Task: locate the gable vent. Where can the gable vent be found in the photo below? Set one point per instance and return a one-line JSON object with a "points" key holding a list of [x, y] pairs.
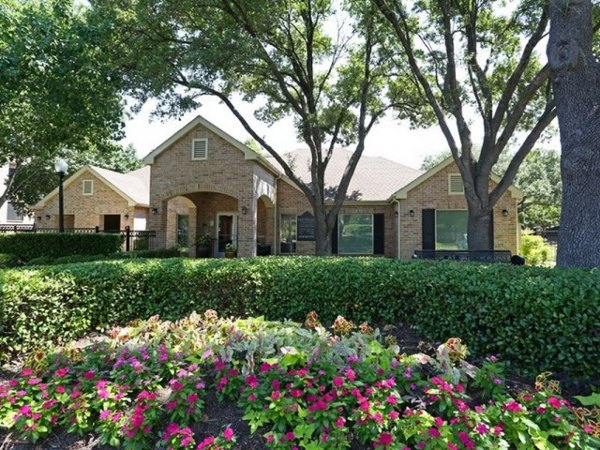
{"points": [[199, 149], [455, 184], [88, 187]]}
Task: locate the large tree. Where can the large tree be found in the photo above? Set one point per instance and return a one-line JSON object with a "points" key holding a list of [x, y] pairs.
{"points": [[321, 62], [576, 83], [476, 62], [58, 94]]}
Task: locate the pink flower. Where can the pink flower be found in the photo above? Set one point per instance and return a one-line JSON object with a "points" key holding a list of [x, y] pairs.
{"points": [[116, 417], [105, 413], [482, 428], [192, 398], [228, 434], [513, 407], [554, 402], [25, 410], [205, 443], [89, 374], [27, 372], [338, 381], [434, 433], [290, 436], [384, 439], [452, 446], [391, 399], [340, 422], [61, 372], [34, 381], [171, 405], [76, 394], [296, 393]]}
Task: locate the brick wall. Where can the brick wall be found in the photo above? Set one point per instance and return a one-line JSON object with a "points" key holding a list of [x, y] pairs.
{"points": [[225, 181], [88, 210], [433, 193]]}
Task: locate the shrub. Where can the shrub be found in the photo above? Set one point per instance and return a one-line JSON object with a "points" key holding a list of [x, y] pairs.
{"points": [[535, 250], [8, 260], [539, 319], [44, 260], [27, 246]]}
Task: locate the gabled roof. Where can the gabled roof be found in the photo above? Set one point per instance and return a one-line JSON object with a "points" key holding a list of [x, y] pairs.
{"points": [[402, 192], [375, 178], [133, 186], [199, 120]]}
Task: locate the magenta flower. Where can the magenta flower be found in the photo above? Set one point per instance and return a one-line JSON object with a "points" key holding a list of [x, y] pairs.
{"points": [[340, 422], [205, 443], [61, 372], [338, 381], [192, 398], [228, 434], [482, 428], [105, 413], [290, 436], [554, 402], [391, 399], [384, 439], [434, 433], [27, 372], [34, 381]]}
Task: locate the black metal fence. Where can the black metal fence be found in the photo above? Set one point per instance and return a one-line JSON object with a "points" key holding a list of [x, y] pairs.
{"points": [[132, 239]]}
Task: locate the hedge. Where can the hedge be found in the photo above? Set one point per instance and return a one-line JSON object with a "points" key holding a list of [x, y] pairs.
{"points": [[162, 253], [27, 246], [539, 319]]}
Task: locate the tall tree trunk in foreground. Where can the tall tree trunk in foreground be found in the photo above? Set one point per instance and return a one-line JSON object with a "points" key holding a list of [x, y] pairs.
{"points": [[575, 80]]}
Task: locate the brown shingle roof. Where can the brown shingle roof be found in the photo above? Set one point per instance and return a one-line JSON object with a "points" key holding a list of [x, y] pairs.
{"points": [[375, 178], [135, 184]]}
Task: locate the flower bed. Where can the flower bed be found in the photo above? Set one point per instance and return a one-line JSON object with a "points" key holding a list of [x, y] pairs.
{"points": [[299, 388]]}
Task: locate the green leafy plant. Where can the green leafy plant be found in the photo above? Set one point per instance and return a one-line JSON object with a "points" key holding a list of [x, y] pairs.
{"points": [[535, 251], [205, 240]]}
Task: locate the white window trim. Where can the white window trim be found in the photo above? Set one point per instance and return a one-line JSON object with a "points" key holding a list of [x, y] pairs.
{"points": [[21, 220], [294, 241], [206, 146], [436, 220], [372, 252], [83, 187], [450, 192]]}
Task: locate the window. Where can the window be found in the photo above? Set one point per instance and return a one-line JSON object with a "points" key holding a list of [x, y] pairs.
{"points": [[183, 228], [199, 149], [288, 229], [455, 184], [355, 234], [12, 215], [88, 187], [451, 230]]}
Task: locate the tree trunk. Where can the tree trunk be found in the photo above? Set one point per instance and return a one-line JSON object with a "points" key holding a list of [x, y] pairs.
{"points": [[478, 226], [322, 233], [575, 81]]}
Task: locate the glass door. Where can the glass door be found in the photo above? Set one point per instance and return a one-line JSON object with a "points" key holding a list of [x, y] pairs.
{"points": [[226, 232]]}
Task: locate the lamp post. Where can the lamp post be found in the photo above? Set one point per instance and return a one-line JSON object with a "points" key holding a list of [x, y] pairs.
{"points": [[61, 167]]}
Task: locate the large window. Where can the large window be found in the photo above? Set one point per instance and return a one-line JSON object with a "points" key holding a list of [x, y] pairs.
{"points": [[288, 233], [12, 215], [355, 234], [451, 230]]}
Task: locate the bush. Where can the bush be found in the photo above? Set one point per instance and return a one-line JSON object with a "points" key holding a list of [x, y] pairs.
{"points": [[27, 246], [539, 319], [8, 260], [535, 250], [44, 260]]}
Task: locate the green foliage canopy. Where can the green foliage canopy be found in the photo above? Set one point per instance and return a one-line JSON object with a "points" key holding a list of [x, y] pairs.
{"points": [[57, 92]]}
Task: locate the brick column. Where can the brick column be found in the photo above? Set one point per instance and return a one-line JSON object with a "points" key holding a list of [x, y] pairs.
{"points": [[247, 227]]}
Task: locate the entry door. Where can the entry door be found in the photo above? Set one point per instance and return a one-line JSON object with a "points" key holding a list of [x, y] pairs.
{"points": [[226, 231]]}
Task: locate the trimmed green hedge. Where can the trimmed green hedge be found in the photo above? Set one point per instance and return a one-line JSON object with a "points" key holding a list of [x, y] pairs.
{"points": [[540, 319], [27, 246], [45, 260]]}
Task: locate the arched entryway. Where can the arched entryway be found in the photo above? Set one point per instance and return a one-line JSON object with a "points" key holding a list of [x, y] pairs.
{"points": [[265, 226]]}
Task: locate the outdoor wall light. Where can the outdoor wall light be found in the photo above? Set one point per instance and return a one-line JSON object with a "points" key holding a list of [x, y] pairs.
{"points": [[411, 213], [244, 210], [396, 213], [47, 216], [39, 217], [126, 215], [505, 212], [154, 211]]}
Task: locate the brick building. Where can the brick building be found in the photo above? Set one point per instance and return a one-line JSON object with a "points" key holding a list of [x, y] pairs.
{"points": [[96, 197], [201, 181], [204, 182]]}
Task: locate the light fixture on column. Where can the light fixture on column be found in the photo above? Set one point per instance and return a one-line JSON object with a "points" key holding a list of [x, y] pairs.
{"points": [[505, 212], [244, 210], [411, 213]]}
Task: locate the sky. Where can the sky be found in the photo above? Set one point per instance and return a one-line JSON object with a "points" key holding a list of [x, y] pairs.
{"points": [[390, 138]]}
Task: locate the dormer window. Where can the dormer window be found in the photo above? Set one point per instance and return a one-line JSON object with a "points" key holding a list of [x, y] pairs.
{"points": [[199, 149]]}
